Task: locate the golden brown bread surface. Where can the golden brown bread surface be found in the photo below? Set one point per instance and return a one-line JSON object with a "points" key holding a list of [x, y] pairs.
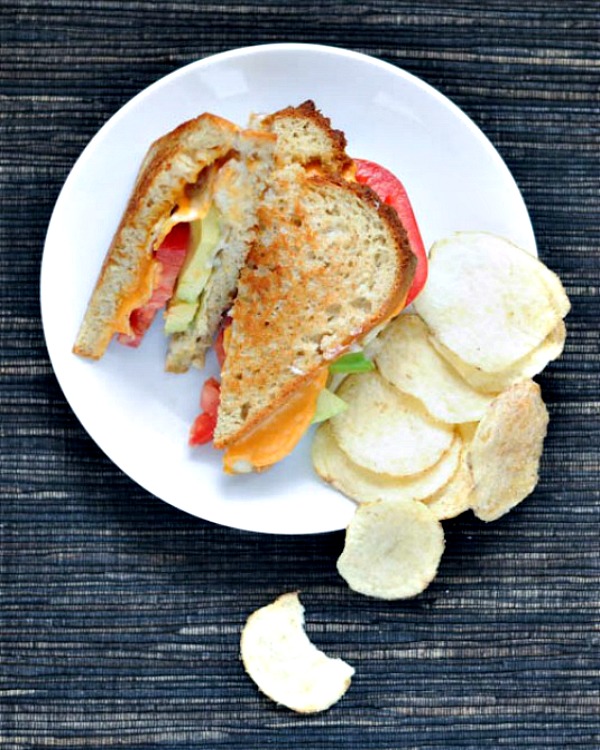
{"points": [[305, 136], [127, 275], [331, 262]]}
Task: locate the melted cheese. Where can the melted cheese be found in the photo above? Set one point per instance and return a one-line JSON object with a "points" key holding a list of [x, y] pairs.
{"points": [[275, 437], [138, 297], [192, 205]]}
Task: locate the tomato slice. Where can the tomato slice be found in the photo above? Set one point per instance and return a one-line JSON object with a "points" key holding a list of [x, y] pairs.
{"points": [[171, 256], [391, 191], [204, 425], [210, 396], [220, 340], [177, 239], [203, 429]]}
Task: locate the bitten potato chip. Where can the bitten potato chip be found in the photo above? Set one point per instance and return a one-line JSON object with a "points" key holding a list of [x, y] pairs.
{"points": [[392, 550], [387, 431], [284, 663], [362, 485], [505, 452], [408, 361], [531, 364], [489, 301], [454, 497]]}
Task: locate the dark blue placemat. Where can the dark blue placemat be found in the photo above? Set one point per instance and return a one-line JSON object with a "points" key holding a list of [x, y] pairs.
{"points": [[120, 615]]}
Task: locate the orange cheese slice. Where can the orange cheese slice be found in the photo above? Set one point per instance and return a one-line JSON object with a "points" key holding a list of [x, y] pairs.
{"points": [[193, 204], [276, 437], [138, 297]]}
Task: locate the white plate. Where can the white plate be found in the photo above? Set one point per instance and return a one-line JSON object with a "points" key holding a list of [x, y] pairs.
{"points": [[138, 414]]}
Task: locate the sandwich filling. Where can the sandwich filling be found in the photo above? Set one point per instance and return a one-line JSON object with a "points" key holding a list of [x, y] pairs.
{"points": [[170, 245], [182, 260]]}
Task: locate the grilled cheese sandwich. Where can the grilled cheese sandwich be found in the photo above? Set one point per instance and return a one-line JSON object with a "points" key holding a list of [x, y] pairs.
{"points": [[330, 263]]}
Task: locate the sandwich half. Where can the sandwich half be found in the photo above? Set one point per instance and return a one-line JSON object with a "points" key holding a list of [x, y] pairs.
{"points": [[330, 262], [182, 240]]}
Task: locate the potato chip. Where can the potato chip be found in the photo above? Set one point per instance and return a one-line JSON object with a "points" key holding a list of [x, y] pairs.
{"points": [[454, 497], [362, 485], [392, 550], [387, 431], [506, 449], [284, 663], [467, 431], [489, 301], [408, 361], [556, 290], [523, 369]]}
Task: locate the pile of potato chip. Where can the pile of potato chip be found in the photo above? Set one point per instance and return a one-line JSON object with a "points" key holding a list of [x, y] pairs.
{"points": [[450, 419]]}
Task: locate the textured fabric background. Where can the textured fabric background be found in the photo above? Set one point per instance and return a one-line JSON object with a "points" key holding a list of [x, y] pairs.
{"points": [[120, 615]]}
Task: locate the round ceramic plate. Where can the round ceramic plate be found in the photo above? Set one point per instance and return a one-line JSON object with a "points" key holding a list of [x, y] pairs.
{"points": [[138, 414]]}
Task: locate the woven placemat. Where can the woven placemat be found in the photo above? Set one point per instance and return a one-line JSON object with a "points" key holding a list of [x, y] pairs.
{"points": [[120, 615]]}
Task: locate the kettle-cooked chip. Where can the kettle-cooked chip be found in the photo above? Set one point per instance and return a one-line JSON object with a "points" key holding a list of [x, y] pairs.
{"points": [[284, 663], [489, 301], [454, 497], [392, 550], [505, 452], [387, 431], [408, 360], [526, 367], [362, 485]]}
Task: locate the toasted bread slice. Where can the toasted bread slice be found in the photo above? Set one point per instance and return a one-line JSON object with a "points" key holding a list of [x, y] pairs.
{"points": [[331, 262], [172, 164], [305, 137]]}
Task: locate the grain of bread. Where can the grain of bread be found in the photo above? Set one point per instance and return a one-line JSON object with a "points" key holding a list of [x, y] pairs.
{"points": [[126, 279], [330, 263], [305, 137]]}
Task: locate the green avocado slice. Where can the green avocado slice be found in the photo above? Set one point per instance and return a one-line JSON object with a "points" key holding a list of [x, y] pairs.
{"points": [[328, 405], [195, 272]]}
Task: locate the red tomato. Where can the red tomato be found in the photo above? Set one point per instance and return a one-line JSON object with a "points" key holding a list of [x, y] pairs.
{"points": [[211, 396], [178, 238], [391, 191], [171, 256], [203, 428]]}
